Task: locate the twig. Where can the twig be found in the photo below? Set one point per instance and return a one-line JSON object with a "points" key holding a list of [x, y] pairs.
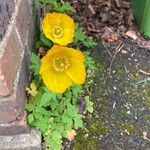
{"points": [[117, 3], [116, 145], [118, 49], [129, 75], [144, 81], [144, 72], [125, 68], [88, 91], [145, 136], [62, 1], [107, 50]]}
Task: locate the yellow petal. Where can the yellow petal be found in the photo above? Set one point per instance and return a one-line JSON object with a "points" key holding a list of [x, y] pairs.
{"points": [[68, 22], [70, 52], [55, 81], [65, 39], [48, 24], [76, 71], [65, 22], [59, 80]]}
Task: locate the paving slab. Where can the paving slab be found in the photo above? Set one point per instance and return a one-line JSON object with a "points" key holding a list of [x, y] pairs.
{"points": [[30, 141], [121, 93]]}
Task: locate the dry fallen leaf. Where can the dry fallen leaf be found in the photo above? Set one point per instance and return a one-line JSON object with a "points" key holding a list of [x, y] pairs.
{"points": [[32, 90], [144, 135], [114, 14], [71, 134], [91, 9], [131, 34], [109, 35]]}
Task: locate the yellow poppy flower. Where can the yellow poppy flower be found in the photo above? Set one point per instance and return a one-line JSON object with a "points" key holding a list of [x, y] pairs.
{"points": [[59, 28], [61, 67]]}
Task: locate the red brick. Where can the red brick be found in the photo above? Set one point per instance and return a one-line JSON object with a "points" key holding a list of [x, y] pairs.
{"points": [[9, 64], [15, 128], [12, 114], [14, 72], [7, 8], [3, 85], [23, 19]]}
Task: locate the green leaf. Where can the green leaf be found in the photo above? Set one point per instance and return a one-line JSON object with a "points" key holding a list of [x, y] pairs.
{"points": [[67, 101], [69, 124], [66, 7], [81, 38], [46, 98], [29, 107], [65, 119], [89, 61], [76, 90], [55, 113], [42, 111], [89, 104], [55, 5], [61, 106], [42, 125], [55, 105], [141, 9], [78, 122], [71, 111], [50, 98], [68, 95], [46, 41], [59, 128], [56, 135], [30, 118], [35, 64], [79, 34], [39, 44], [53, 140]]}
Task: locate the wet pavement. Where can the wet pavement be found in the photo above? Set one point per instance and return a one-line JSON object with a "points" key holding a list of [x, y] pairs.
{"points": [[121, 94]]}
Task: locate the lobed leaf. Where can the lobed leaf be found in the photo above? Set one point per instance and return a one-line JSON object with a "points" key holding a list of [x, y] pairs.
{"points": [[35, 64]]}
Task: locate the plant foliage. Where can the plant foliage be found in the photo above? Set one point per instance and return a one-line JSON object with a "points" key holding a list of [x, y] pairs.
{"points": [[43, 41], [89, 61], [55, 114], [55, 5], [81, 38], [52, 113], [35, 64]]}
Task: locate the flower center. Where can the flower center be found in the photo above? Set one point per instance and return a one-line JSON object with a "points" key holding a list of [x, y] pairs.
{"points": [[57, 31], [60, 63]]}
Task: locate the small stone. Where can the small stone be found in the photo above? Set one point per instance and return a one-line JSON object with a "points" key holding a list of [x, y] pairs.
{"points": [[114, 105], [86, 135], [115, 88], [113, 71], [127, 92], [127, 132], [128, 112]]}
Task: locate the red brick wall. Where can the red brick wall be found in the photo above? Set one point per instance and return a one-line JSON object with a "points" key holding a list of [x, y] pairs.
{"points": [[17, 38]]}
